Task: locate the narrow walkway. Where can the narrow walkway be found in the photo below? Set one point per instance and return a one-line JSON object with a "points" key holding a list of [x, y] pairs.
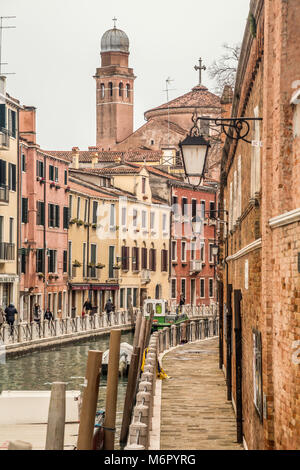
{"points": [[195, 413]]}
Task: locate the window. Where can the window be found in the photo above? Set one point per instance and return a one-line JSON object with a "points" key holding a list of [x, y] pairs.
{"points": [[143, 185], [2, 172], [12, 122], [124, 216], [204, 127], [24, 210], [152, 142], [51, 172], [184, 206], [110, 86], [144, 258], [183, 251], [111, 261], [52, 261], [135, 259], [40, 169], [40, 213], [59, 301], [128, 90], [144, 219], [175, 205], [152, 259], [134, 300], [194, 207], [23, 163], [173, 288], [78, 208], [23, 263], [66, 217], [212, 210], [65, 261], [134, 219], [11, 230], [257, 372], [56, 174], [129, 299], [152, 220], [174, 250], [211, 288], [66, 177], [93, 259], [12, 177], [193, 251], [164, 260], [202, 211], [121, 90], [86, 210], [53, 215], [164, 222], [202, 252], [183, 287], [3, 115], [202, 288], [70, 258], [112, 215], [95, 209], [102, 87], [211, 257], [84, 259], [70, 206], [125, 258], [39, 260], [122, 298]]}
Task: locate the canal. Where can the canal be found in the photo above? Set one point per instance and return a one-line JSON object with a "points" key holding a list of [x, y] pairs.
{"points": [[36, 371]]}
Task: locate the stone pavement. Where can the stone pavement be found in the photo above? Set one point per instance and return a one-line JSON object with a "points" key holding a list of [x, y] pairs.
{"points": [[195, 413]]}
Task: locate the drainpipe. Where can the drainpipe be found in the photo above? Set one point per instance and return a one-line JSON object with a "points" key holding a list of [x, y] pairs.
{"points": [[19, 236], [44, 252], [88, 243]]}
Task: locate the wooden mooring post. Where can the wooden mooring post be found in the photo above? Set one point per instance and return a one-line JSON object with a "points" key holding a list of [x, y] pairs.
{"points": [[112, 390], [56, 417], [130, 394], [89, 401]]}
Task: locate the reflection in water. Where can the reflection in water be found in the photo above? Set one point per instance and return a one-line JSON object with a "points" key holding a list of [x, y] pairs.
{"points": [[36, 371]]}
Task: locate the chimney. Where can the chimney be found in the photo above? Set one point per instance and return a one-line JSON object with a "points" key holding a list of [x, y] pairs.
{"points": [[94, 159], [75, 158], [27, 124]]}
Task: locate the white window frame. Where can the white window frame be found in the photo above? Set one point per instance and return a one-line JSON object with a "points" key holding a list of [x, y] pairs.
{"points": [[78, 207], [112, 216], [144, 219], [181, 292], [210, 255], [175, 281], [183, 259], [202, 243], [211, 279], [176, 247], [202, 279]]}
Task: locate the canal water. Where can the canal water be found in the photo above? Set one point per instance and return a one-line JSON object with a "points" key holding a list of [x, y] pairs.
{"points": [[37, 370]]}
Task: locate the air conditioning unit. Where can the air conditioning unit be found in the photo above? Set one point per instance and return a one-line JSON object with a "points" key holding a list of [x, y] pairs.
{"points": [[196, 266]]}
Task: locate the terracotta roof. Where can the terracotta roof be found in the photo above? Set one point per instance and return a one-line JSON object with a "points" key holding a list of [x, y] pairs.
{"points": [[86, 156], [199, 96], [111, 170]]}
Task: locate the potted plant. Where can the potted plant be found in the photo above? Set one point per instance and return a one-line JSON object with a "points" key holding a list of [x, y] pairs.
{"points": [[116, 266], [52, 184], [56, 276], [79, 223], [57, 186], [42, 180], [51, 276], [41, 275], [38, 178], [76, 264], [67, 188], [100, 266], [94, 226]]}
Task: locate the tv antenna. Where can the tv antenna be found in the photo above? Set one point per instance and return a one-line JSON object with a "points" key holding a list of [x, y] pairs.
{"points": [[168, 81], [1, 30]]}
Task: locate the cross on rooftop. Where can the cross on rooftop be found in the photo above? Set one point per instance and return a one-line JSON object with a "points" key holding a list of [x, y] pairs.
{"points": [[200, 67], [114, 20]]}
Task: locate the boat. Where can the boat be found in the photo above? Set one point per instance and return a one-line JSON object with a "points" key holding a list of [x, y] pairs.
{"points": [[162, 317], [125, 357]]}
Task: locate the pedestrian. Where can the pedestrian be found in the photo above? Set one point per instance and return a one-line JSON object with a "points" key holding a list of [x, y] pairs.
{"points": [[181, 302], [37, 313], [2, 317], [10, 313], [48, 315], [87, 306], [109, 307]]}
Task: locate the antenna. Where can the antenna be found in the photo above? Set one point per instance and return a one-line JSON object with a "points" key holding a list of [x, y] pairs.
{"points": [[168, 81], [1, 29]]}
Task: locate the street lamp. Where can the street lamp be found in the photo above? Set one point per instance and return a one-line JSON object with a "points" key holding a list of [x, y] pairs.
{"points": [[194, 149], [215, 250]]}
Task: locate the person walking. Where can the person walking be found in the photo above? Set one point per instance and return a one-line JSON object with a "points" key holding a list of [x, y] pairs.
{"points": [[48, 315], [2, 317], [109, 307], [37, 313], [87, 306], [10, 313], [181, 303]]}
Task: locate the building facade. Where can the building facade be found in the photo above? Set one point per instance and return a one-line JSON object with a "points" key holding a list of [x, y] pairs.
{"points": [[259, 304]]}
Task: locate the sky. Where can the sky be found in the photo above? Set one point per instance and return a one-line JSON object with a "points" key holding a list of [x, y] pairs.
{"points": [[55, 49]]}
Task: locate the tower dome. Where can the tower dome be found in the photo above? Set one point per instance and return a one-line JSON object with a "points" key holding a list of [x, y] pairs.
{"points": [[114, 40]]}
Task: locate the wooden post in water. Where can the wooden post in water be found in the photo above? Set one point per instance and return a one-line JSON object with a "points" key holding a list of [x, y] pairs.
{"points": [[148, 334], [56, 417], [141, 342], [89, 401], [137, 329], [130, 394], [112, 390]]}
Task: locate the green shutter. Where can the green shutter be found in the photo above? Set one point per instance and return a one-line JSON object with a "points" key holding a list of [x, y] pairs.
{"points": [[3, 115]]}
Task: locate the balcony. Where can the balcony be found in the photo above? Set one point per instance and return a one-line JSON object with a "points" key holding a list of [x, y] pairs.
{"points": [[7, 252], [4, 195], [145, 276], [4, 139], [196, 266]]}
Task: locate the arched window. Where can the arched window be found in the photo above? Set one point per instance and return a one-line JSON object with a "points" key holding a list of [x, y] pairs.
{"points": [[127, 90], [121, 90], [110, 85], [102, 90]]}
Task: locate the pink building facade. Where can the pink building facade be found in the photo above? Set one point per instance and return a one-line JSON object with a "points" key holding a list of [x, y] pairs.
{"points": [[192, 272], [44, 225]]}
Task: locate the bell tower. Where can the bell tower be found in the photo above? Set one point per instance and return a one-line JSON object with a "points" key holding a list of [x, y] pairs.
{"points": [[114, 90]]}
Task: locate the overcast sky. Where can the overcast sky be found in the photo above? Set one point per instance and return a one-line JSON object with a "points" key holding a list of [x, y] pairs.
{"points": [[55, 50]]}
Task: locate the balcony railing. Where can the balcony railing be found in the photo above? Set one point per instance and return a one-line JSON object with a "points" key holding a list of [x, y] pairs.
{"points": [[4, 139], [4, 194], [7, 251]]}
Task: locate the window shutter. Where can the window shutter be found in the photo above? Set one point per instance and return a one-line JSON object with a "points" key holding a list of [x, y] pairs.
{"points": [[56, 173], [42, 209], [66, 215], [137, 261], [3, 115], [2, 173], [13, 123], [13, 177], [38, 213], [123, 254], [127, 258], [57, 221], [24, 210], [154, 260]]}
